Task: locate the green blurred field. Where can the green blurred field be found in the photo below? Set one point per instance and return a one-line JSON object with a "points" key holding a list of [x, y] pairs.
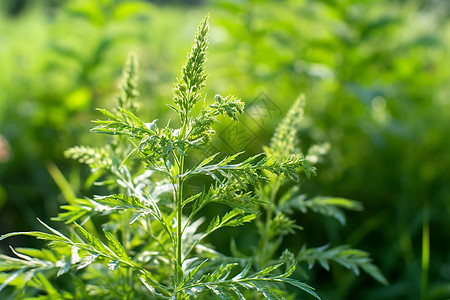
{"points": [[376, 76]]}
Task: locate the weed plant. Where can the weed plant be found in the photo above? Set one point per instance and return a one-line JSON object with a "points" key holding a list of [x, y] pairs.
{"points": [[147, 237]]}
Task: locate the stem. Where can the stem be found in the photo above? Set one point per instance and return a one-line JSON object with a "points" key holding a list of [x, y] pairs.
{"points": [[425, 251], [269, 215], [179, 208], [179, 215]]}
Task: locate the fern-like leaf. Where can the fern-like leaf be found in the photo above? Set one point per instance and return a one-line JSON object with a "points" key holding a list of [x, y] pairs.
{"points": [[263, 281], [352, 259], [328, 206]]}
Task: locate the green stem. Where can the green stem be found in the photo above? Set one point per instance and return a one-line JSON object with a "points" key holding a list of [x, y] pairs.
{"points": [[425, 252], [179, 216], [179, 225], [269, 215]]}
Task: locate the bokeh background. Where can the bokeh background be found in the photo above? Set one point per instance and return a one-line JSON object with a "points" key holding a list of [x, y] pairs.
{"points": [[375, 73]]}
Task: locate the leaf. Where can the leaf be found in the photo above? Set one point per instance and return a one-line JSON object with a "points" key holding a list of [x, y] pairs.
{"points": [[117, 247], [353, 259], [80, 208], [147, 277], [207, 160], [87, 260], [302, 286], [55, 238], [192, 198], [221, 272], [328, 206], [267, 270], [11, 278], [244, 272], [42, 254], [224, 294], [142, 205], [127, 124], [109, 114], [239, 220], [134, 120], [232, 218], [36, 234], [220, 281], [116, 254], [193, 272], [266, 291], [173, 108], [91, 240]]}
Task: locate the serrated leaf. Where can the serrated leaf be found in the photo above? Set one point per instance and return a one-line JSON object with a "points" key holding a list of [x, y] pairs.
{"points": [[232, 218], [38, 235], [192, 198], [153, 285], [328, 206], [222, 272], [109, 114], [260, 280], [353, 259], [267, 270], [192, 273], [116, 246], [207, 160], [266, 291], [244, 272], [93, 242], [136, 122], [138, 215], [302, 286]]}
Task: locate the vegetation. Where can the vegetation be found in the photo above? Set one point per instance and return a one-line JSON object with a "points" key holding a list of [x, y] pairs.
{"points": [[376, 79], [152, 228]]}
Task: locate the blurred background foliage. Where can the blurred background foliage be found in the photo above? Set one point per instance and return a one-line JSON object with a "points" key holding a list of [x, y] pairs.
{"points": [[376, 75]]}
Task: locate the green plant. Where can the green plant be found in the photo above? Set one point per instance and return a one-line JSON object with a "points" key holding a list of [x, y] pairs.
{"points": [[66, 74], [278, 204], [373, 70], [153, 238]]}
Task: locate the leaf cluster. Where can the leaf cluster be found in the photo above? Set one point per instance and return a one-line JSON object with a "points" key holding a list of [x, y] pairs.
{"points": [[147, 234], [280, 202]]}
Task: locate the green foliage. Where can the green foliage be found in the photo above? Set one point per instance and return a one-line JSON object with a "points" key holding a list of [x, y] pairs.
{"points": [[278, 204], [353, 259], [151, 237], [58, 62], [376, 76], [153, 241]]}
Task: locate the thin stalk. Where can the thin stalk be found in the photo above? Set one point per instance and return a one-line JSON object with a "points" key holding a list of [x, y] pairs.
{"points": [[425, 252], [179, 216], [269, 215]]}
